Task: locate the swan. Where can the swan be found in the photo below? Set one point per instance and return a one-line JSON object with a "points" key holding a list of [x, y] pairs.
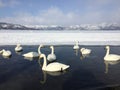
{"points": [[53, 67], [6, 53], [33, 54], [111, 57], [51, 56], [76, 46], [18, 48], [85, 51]]}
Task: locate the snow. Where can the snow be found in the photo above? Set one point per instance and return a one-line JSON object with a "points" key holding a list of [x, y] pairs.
{"points": [[12, 37]]}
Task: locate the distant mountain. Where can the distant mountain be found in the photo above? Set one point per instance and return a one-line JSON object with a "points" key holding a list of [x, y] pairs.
{"points": [[11, 26], [103, 26]]}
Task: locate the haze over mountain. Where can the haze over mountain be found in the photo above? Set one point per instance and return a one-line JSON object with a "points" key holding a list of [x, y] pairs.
{"points": [[102, 26]]}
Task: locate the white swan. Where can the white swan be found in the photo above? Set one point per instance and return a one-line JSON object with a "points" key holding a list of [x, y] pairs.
{"points": [[52, 56], [76, 46], [53, 67], [6, 53], [18, 48], [85, 51], [111, 57], [33, 54]]}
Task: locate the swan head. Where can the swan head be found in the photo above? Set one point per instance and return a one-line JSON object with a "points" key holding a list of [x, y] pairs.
{"points": [[51, 47], [77, 42], [107, 47], [41, 45], [3, 50], [82, 49], [42, 55], [18, 45]]}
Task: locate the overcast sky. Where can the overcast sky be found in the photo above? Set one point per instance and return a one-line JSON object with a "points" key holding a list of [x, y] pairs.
{"points": [[60, 12]]}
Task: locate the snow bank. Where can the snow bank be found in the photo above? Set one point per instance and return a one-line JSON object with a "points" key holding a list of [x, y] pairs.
{"points": [[57, 37]]}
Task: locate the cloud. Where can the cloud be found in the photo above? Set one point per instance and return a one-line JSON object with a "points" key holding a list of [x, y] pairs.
{"points": [[51, 16], [8, 3], [55, 16]]}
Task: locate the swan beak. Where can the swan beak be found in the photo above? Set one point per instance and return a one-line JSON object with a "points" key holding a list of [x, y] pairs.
{"points": [[41, 45], [40, 56]]}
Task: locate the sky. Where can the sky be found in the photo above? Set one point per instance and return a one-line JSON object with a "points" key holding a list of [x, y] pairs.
{"points": [[59, 12]]}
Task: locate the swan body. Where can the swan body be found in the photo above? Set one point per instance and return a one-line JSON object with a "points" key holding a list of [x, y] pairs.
{"points": [[85, 51], [111, 57], [18, 48], [52, 56], [76, 46], [33, 54], [6, 53], [53, 67]]}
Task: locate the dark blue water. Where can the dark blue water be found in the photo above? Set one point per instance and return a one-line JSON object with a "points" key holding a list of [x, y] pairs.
{"points": [[85, 73]]}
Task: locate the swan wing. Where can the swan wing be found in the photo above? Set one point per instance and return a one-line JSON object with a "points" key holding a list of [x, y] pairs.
{"points": [[112, 57], [86, 51], [18, 48], [6, 53], [52, 67]]}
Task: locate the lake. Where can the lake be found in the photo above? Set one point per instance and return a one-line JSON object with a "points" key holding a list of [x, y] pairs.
{"points": [[85, 73]]}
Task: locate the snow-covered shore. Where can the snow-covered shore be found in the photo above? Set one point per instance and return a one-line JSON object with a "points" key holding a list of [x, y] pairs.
{"points": [[60, 38]]}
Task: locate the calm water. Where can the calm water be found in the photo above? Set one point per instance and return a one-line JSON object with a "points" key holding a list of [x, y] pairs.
{"points": [[85, 73]]}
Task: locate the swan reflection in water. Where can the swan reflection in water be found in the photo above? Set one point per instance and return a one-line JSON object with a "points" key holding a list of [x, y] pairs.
{"points": [[6, 57], [107, 63], [30, 58], [83, 56], [18, 53], [76, 51], [43, 81]]}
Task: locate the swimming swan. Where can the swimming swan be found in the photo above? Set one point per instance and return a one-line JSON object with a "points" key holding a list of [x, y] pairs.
{"points": [[6, 53], [53, 67], [76, 46], [33, 54], [52, 56], [111, 57], [18, 48], [85, 51]]}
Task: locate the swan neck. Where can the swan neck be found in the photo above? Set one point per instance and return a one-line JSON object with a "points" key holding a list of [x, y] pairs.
{"points": [[52, 50], [45, 63], [107, 52], [76, 43], [39, 49]]}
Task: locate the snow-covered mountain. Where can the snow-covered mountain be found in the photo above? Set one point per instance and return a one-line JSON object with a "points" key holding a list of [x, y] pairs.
{"points": [[103, 26], [11, 26]]}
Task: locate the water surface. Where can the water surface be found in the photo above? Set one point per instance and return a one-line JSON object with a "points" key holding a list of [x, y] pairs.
{"points": [[85, 73]]}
